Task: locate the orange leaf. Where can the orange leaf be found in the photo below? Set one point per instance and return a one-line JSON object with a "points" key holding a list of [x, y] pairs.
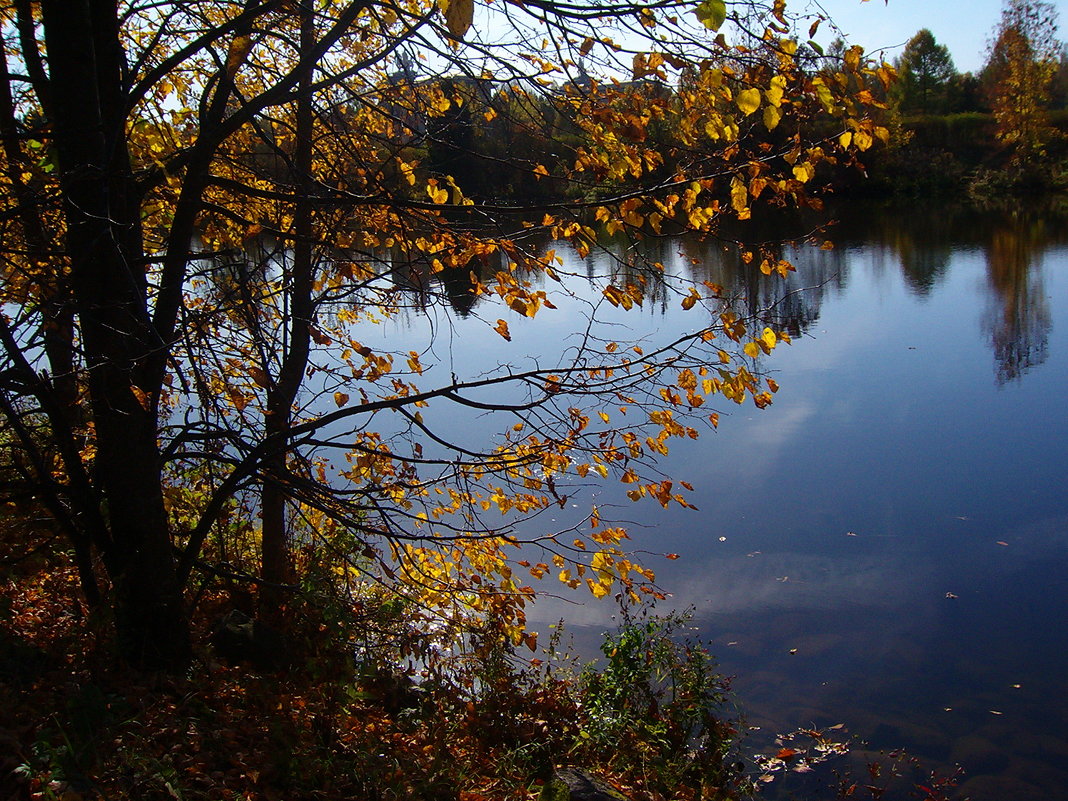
{"points": [[142, 397], [259, 377], [237, 398]]}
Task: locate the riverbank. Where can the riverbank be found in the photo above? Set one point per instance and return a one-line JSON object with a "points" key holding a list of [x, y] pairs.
{"points": [[958, 156]]}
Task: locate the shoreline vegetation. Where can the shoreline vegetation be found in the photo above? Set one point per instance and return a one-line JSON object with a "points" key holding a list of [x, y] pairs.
{"points": [[959, 156], [370, 706]]}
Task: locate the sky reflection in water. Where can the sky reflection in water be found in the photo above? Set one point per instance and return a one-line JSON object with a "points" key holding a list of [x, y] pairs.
{"points": [[898, 515]]}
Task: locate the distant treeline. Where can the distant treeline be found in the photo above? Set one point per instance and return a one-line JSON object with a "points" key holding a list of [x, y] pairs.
{"points": [[1002, 131], [939, 155]]}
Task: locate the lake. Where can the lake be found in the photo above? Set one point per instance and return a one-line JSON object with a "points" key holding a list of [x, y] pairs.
{"points": [[886, 545]]}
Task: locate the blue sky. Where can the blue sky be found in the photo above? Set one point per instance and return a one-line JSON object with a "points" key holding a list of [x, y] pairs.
{"points": [[964, 26]]}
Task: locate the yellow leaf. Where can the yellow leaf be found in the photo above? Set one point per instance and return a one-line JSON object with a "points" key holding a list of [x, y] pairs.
{"points": [[824, 95], [845, 138], [502, 329], [769, 337], [751, 349], [772, 115], [239, 49], [712, 13], [437, 194], [748, 101], [142, 397], [774, 93], [598, 589], [862, 139], [739, 194], [804, 171], [603, 416], [458, 15], [340, 398], [852, 57]]}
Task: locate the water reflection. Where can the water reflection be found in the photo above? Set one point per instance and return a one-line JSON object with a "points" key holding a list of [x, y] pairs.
{"points": [[1013, 243], [875, 548], [919, 245], [1018, 317]]}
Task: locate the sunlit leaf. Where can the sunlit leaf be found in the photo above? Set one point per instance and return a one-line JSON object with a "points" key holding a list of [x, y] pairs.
{"points": [[459, 14], [142, 397], [804, 171], [748, 101], [712, 13], [772, 115]]}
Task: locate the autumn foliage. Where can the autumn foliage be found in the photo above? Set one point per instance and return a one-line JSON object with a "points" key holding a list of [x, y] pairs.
{"points": [[183, 391], [203, 202]]}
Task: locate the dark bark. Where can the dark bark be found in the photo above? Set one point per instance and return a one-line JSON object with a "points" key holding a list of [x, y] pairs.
{"points": [[276, 568], [108, 286]]}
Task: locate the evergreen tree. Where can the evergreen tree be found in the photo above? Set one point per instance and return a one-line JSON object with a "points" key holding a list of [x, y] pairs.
{"points": [[925, 72]]}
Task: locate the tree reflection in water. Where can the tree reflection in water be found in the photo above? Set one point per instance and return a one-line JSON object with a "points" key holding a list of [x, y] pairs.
{"points": [[1018, 318]]}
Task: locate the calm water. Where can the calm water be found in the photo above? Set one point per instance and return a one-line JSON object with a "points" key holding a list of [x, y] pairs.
{"points": [[899, 515]]}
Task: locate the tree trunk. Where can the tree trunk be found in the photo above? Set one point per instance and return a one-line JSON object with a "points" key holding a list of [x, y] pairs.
{"points": [[103, 241], [275, 546]]}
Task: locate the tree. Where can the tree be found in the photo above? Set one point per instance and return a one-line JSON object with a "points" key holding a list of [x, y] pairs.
{"points": [[1059, 92], [1018, 74], [203, 198], [925, 72]]}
